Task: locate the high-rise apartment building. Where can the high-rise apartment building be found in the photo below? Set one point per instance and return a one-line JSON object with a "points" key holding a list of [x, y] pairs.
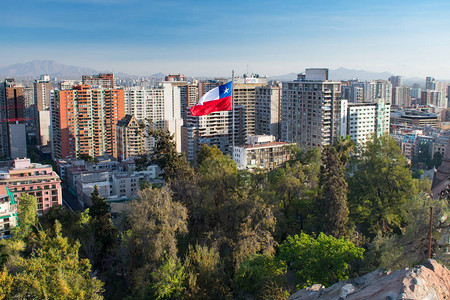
{"points": [[383, 117], [175, 77], [130, 140], [437, 86], [364, 119], [213, 129], [370, 90], [430, 97], [12, 120], [30, 104], [42, 92], [84, 121], [105, 81], [430, 83], [205, 86], [396, 81], [401, 96], [268, 110], [42, 88], [383, 91], [188, 97], [244, 91], [311, 109], [161, 104]]}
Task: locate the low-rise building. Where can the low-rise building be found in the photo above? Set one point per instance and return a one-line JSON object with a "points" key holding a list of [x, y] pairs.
{"points": [[33, 179], [262, 152], [8, 212], [114, 186]]}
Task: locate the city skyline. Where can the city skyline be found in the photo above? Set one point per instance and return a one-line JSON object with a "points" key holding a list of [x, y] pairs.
{"points": [[407, 38]]}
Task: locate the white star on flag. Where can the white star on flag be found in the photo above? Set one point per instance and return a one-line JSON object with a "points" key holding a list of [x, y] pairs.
{"points": [[226, 91]]}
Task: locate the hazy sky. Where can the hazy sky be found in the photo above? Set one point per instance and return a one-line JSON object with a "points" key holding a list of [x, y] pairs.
{"points": [[207, 38]]}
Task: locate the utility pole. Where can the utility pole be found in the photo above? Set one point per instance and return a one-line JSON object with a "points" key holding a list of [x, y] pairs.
{"points": [[430, 232]]}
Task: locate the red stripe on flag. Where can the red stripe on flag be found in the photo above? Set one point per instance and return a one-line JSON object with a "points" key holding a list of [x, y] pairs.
{"points": [[212, 106]]}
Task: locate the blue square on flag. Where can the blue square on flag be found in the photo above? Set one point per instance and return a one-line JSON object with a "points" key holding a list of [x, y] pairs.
{"points": [[226, 90]]}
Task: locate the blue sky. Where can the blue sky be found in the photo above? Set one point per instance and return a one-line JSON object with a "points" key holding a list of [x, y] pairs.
{"points": [[207, 38]]}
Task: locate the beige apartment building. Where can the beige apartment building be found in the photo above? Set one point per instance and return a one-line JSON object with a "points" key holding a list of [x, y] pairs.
{"points": [[261, 152]]}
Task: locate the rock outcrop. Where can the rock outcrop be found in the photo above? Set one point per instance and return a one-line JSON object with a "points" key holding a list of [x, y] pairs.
{"points": [[429, 281]]}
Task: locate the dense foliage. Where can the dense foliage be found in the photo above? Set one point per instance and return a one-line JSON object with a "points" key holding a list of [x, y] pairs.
{"points": [[215, 232]]}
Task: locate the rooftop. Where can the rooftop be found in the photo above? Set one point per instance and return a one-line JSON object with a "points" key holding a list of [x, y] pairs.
{"points": [[272, 144]]}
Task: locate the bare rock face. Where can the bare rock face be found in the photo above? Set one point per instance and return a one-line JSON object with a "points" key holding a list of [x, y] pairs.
{"points": [[429, 281]]}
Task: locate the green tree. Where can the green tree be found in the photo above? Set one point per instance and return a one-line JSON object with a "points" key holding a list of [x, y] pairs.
{"points": [[410, 248], [258, 275], [166, 156], [6, 283], [291, 189], [206, 278], [437, 159], [86, 157], [206, 152], [168, 280], [27, 214], [423, 158], [380, 183], [331, 203], [228, 216], [325, 259], [103, 229], [53, 271], [153, 222]]}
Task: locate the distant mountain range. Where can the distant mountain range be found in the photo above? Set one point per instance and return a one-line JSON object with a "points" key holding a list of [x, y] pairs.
{"points": [[55, 69], [37, 67]]}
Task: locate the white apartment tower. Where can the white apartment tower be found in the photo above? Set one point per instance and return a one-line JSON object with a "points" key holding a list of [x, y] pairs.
{"points": [[161, 104], [364, 119]]}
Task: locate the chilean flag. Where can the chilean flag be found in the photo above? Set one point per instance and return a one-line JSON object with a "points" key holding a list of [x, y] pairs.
{"points": [[217, 99]]}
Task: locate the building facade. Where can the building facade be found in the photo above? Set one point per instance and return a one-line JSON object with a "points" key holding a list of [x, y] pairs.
{"points": [[8, 212], [244, 94], [130, 139], [35, 180], [105, 81], [311, 109], [267, 110], [12, 120], [365, 119], [262, 152], [161, 104], [213, 129], [42, 95], [84, 121]]}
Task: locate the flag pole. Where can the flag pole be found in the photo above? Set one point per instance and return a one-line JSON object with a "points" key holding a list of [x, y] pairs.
{"points": [[232, 108]]}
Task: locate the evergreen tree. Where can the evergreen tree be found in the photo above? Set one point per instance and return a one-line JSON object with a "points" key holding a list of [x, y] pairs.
{"points": [[103, 229], [331, 204], [166, 156]]}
